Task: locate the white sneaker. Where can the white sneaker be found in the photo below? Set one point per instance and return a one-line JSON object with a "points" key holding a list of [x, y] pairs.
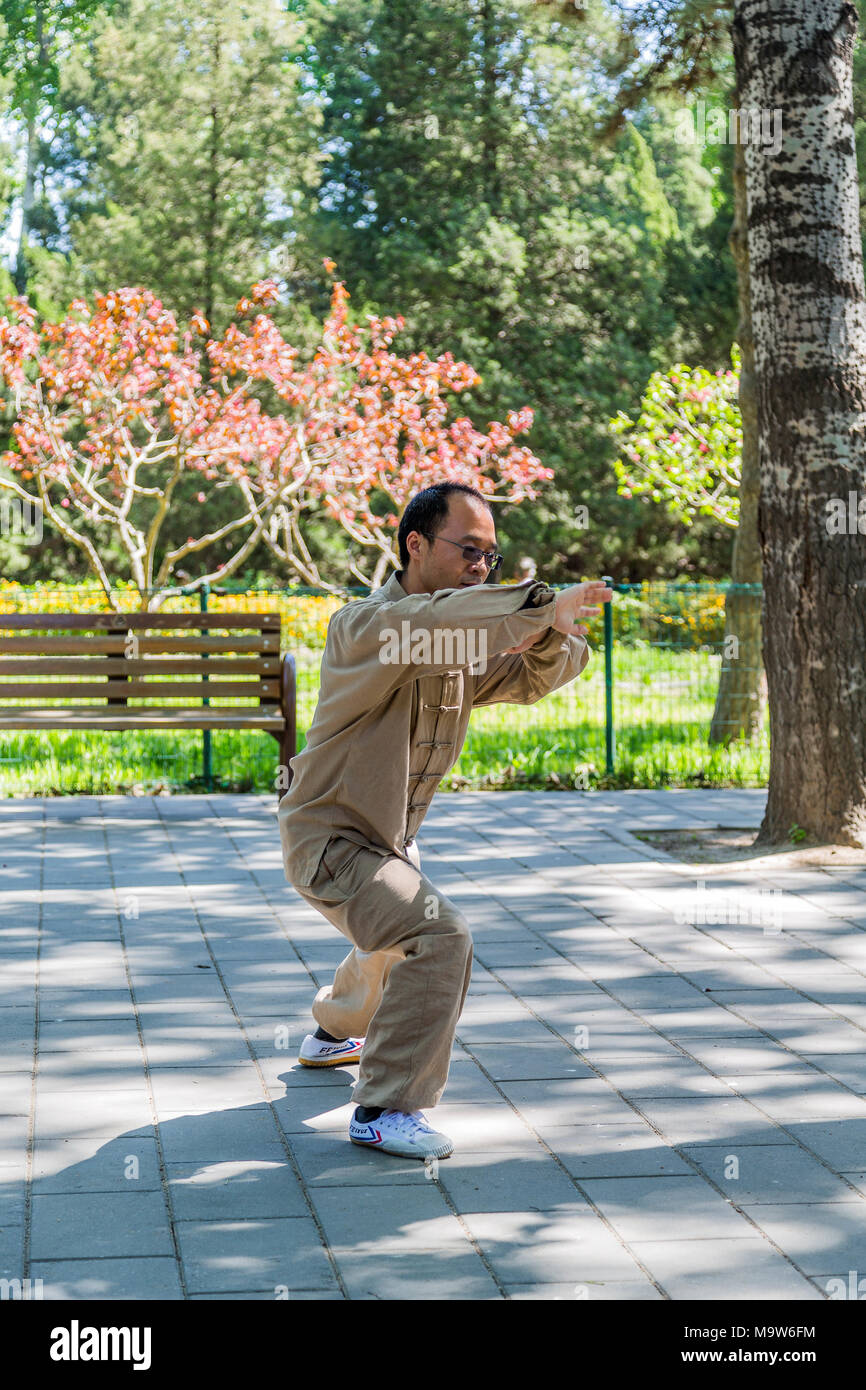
{"points": [[396, 1132], [314, 1052]]}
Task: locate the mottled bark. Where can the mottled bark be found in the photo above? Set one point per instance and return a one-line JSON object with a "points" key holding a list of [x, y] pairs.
{"points": [[212, 211], [741, 695], [492, 185], [809, 319], [27, 200]]}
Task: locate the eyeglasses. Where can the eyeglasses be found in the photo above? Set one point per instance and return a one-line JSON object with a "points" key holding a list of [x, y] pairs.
{"points": [[471, 553]]}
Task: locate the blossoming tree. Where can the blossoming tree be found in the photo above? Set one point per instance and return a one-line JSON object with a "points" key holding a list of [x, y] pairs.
{"points": [[685, 447], [115, 407]]}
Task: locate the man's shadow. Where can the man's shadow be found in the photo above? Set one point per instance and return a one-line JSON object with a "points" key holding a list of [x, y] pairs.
{"points": [[235, 1179]]}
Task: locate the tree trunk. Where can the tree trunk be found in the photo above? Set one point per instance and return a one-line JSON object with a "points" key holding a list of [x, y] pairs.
{"points": [[809, 316], [742, 684], [27, 200], [491, 182], [212, 210]]}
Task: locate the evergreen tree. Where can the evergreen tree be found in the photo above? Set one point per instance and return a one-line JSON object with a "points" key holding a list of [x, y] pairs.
{"points": [[195, 141]]}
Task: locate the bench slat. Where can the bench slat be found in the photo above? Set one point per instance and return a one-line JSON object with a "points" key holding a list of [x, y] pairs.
{"points": [[70, 646], [155, 666], [83, 622], [142, 690], [268, 717]]}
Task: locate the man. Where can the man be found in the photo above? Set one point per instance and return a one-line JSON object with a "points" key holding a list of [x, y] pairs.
{"points": [[401, 672]]}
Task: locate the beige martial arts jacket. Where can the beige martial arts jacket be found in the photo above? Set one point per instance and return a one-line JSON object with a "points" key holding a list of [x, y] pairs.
{"points": [[401, 674]]}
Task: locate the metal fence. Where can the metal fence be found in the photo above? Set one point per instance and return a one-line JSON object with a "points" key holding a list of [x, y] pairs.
{"points": [[640, 713]]}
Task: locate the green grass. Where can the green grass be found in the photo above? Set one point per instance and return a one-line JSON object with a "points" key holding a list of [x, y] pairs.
{"points": [[663, 703]]}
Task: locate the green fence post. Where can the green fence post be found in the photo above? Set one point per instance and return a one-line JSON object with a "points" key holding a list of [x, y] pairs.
{"points": [[207, 773], [609, 736]]}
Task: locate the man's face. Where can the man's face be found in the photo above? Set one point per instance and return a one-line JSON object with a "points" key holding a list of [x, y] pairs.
{"points": [[436, 564]]}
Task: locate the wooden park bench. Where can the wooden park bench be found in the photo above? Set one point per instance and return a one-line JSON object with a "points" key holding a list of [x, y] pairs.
{"points": [[111, 660]]}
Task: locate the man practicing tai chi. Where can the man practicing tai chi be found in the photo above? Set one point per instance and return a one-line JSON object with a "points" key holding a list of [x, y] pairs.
{"points": [[401, 672]]}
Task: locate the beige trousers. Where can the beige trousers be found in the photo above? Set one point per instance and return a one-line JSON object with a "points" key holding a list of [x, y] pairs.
{"points": [[403, 985]]}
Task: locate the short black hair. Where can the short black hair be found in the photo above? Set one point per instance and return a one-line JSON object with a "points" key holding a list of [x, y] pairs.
{"points": [[427, 510]]}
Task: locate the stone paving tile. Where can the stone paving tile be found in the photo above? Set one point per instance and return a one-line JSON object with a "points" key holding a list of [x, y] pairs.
{"points": [[248, 1188], [203, 1088], [67, 1005], [268, 1295], [314, 1109], [63, 1114], [628, 1149], [724, 1270], [606, 1022], [857, 1178], [86, 1165], [708, 1120], [496, 954], [731, 1057], [795, 1097], [440, 1274], [15, 1092], [117, 1036], [654, 1208], [529, 981], [551, 1104], [769, 1173], [572, 1245], [84, 1225], [221, 1136], [848, 1068], [110, 1278], [507, 1181], [483, 1125], [596, 1290], [826, 1240], [283, 1072], [497, 1027], [12, 1251], [660, 1077], [401, 1218], [841, 1143], [528, 1061], [223, 1255], [708, 1021]]}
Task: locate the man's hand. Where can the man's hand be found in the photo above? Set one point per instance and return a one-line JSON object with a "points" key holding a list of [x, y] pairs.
{"points": [[579, 602]]}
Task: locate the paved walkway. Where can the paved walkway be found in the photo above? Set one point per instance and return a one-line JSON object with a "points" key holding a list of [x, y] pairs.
{"points": [[658, 1092]]}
